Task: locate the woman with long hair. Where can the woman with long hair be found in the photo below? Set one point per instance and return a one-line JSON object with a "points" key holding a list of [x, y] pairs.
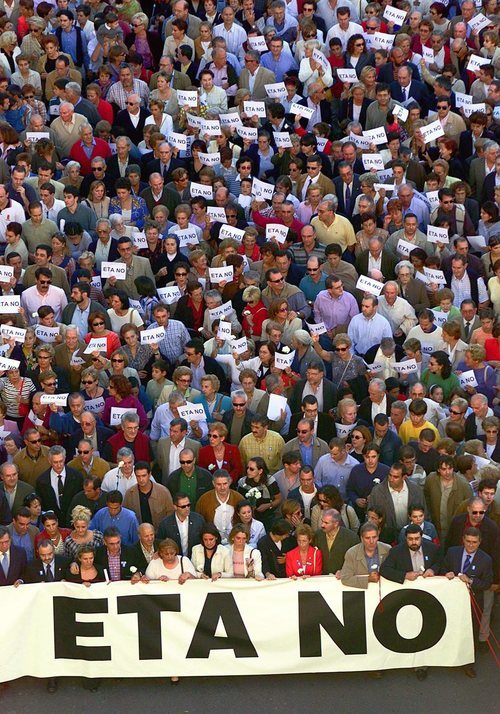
{"points": [[120, 391], [440, 372]]}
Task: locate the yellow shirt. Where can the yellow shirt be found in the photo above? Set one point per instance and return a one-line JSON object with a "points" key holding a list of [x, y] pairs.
{"points": [[408, 432], [340, 231], [269, 448]]}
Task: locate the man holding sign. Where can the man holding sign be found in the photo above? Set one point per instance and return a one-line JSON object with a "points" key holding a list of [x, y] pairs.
{"points": [[136, 267]]}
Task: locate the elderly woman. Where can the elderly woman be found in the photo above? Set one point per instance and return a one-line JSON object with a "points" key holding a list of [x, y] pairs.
{"points": [[219, 454], [305, 355], [255, 312], [140, 357], [170, 565], [9, 50], [347, 417], [345, 366], [368, 78], [143, 42], [133, 209], [15, 392], [310, 71], [91, 390], [210, 559], [246, 562], [305, 560], [411, 289], [278, 312], [120, 390], [71, 175], [181, 382], [369, 229], [214, 404], [159, 119], [485, 375]]}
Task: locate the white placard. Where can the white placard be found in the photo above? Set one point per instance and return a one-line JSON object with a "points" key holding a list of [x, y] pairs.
{"points": [[6, 273], [222, 311], [222, 274], [262, 190], [75, 358], [37, 135], [277, 90], [192, 412], [427, 348], [96, 282], [321, 142], [282, 139], [440, 317], [187, 236], [59, 400], [476, 61], [409, 366], [320, 58], [404, 247], [423, 278], [317, 329], [199, 189], [375, 367], [362, 142], [230, 119], [46, 334], [115, 418], [373, 161], [384, 186], [139, 239], [393, 14], [382, 41], [247, 132], [209, 159], [277, 231], [400, 112], [96, 406], [470, 108], [433, 198], [177, 141], [348, 76], [228, 231], [169, 295], [369, 285], [435, 276], [277, 404], [113, 270], [385, 175], [480, 460], [96, 344], [427, 54], [224, 330], [462, 100], [437, 234], [240, 346], [282, 360], [254, 109], [187, 99], [258, 43], [152, 336], [477, 242], [432, 131], [343, 430], [193, 120], [478, 22], [467, 379], [305, 112], [210, 127], [376, 136], [10, 304], [217, 214], [9, 332]]}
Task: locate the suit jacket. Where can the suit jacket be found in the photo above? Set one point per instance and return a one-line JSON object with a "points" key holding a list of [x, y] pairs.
{"points": [[418, 92], [324, 431], [163, 456], [386, 73], [213, 367], [35, 570], [324, 109], [388, 263], [269, 553], [355, 571], [23, 489], [415, 172], [416, 294], [320, 448], [389, 448], [490, 535], [481, 570], [246, 428], [135, 133], [333, 559], [264, 76], [153, 166], [339, 190], [399, 562], [477, 177], [113, 249], [488, 193], [208, 504], [160, 503], [460, 490], [103, 435], [365, 409], [73, 484], [329, 395], [5, 511], [346, 110], [128, 559], [70, 308], [140, 558], [17, 564], [63, 360], [322, 182], [381, 497], [169, 529]]}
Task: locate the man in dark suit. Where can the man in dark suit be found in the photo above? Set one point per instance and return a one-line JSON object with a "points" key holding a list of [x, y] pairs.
{"points": [[184, 526], [57, 486], [405, 88], [157, 194], [98, 435], [376, 250], [388, 493], [315, 381], [200, 479], [5, 510], [13, 490], [397, 61], [377, 399], [133, 118], [277, 121], [145, 547], [334, 541], [414, 171], [199, 363], [475, 517], [185, 60], [242, 413], [324, 424], [48, 567], [164, 164], [13, 560], [80, 300], [99, 172], [120, 561], [347, 188], [273, 549], [389, 443], [316, 99]]}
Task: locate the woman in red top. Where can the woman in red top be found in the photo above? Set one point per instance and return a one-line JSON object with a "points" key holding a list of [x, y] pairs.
{"points": [[255, 312], [191, 307], [305, 560], [248, 246], [492, 347], [52, 532], [220, 455], [98, 330]]}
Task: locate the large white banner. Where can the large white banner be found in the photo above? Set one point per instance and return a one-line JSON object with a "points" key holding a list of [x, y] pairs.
{"points": [[232, 627]]}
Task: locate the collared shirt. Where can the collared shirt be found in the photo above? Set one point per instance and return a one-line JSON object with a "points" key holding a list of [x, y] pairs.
{"points": [[174, 455], [183, 527], [466, 555], [372, 562], [335, 311], [31, 300], [114, 566], [119, 95], [223, 519], [329, 472], [307, 454], [367, 332], [23, 541], [318, 393], [54, 482], [462, 290], [400, 502], [148, 554], [235, 37], [417, 560], [80, 319], [379, 408]]}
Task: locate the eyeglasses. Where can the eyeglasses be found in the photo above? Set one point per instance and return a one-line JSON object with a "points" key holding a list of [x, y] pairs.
{"points": [[442, 106], [137, 25], [117, 360], [312, 270], [180, 275], [131, 104], [341, 349], [213, 436], [279, 280], [29, 96], [186, 462], [81, 451], [302, 431], [356, 437], [50, 384], [478, 513], [99, 168], [186, 505], [88, 381], [283, 309], [96, 324], [45, 282], [239, 406], [452, 411]]}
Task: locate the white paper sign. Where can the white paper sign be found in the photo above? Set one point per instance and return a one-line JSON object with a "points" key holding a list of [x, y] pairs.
{"points": [[376, 136], [317, 329], [10, 304], [477, 242], [436, 234], [6, 273], [427, 348], [432, 131], [37, 135], [478, 22], [467, 379], [427, 54], [362, 142], [115, 418], [277, 90], [169, 295], [18, 333], [343, 430], [321, 142], [258, 43], [239, 346], [440, 318], [230, 119], [139, 239], [393, 14], [276, 231], [192, 412], [113, 270], [199, 189], [282, 139], [384, 186], [476, 61], [277, 404], [254, 109], [400, 112], [404, 247], [46, 334], [193, 121], [282, 361], [462, 100], [96, 282], [435, 276], [96, 344], [59, 400], [305, 112], [177, 141], [187, 99], [228, 231], [382, 41], [375, 367], [209, 159], [152, 336], [262, 190], [224, 330], [247, 132], [223, 274], [409, 366], [96, 406], [222, 311], [76, 359], [480, 460], [210, 127], [470, 108], [320, 58], [369, 285], [217, 214], [433, 198], [373, 161], [347, 76]]}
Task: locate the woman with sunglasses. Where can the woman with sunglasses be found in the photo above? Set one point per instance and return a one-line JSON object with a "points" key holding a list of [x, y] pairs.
{"points": [[344, 365], [92, 391], [329, 497], [218, 454], [258, 479], [356, 56], [98, 330], [278, 312]]}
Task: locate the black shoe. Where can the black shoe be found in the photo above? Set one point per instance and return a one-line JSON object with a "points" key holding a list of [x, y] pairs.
{"points": [[52, 685], [421, 674], [469, 670]]}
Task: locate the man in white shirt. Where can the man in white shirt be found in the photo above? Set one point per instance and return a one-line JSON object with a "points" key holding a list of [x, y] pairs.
{"points": [[9, 211], [399, 313], [234, 35], [43, 293], [344, 29], [50, 204], [122, 477], [213, 97], [368, 328]]}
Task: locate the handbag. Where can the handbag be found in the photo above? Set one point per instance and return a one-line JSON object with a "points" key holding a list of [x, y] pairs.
{"points": [[24, 409]]}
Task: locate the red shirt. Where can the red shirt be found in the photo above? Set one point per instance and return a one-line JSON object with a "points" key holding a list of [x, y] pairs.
{"points": [[141, 446]]}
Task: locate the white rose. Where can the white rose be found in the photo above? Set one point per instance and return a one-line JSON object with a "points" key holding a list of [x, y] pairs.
{"points": [[133, 569], [285, 350], [376, 480], [247, 312], [121, 464], [211, 467]]}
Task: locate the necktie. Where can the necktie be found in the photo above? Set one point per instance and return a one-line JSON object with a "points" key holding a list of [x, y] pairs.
{"points": [[5, 564], [405, 94], [467, 330], [347, 200], [307, 183], [165, 174], [60, 488], [467, 563], [49, 578]]}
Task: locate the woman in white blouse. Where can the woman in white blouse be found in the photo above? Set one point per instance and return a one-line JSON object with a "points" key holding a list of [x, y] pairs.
{"points": [[210, 559], [246, 562], [311, 71]]}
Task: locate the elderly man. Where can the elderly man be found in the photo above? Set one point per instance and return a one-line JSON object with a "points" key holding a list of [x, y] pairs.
{"points": [[157, 194], [254, 77], [122, 477], [474, 422], [67, 423], [262, 442], [13, 489], [412, 203], [213, 300], [167, 412], [87, 148], [132, 437], [136, 267], [150, 501], [217, 506], [66, 128], [180, 10], [334, 541], [87, 463], [362, 562], [332, 228], [377, 401], [397, 311], [133, 118], [81, 105], [211, 96], [57, 486], [69, 356], [127, 86], [98, 436]]}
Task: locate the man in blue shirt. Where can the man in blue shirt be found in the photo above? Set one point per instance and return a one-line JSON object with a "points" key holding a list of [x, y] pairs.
{"points": [[115, 515], [72, 41], [277, 60]]}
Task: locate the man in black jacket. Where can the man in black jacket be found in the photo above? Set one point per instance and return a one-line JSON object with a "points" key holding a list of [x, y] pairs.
{"points": [[183, 526], [145, 547], [119, 561], [98, 435], [57, 486], [48, 567], [272, 550]]}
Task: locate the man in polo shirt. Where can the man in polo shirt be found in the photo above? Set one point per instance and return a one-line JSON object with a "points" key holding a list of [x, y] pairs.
{"points": [[333, 228], [33, 459]]}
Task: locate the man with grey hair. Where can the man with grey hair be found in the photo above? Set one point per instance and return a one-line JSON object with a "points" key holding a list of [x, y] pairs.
{"points": [[57, 486], [67, 423], [254, 77], [133, 118], [131, 436], [104, 248], [480, 410], [66, 128], [377, 401], [122, 477], [165, 413], [213, 299], [73, 92], [332, 228], [410, 288], [397, 311], [334, 541]]}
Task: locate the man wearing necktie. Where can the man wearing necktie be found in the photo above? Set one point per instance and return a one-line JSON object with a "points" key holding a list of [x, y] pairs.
{"points": [[57, 486], [48, 567], [12, 560]]}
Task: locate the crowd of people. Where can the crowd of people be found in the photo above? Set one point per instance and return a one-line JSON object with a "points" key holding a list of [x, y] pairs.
{"points": [[249, 292]]}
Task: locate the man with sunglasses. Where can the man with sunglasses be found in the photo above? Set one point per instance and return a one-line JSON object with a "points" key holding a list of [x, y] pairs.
{"points": [[184, 525], [43, 293], [87, 463]]}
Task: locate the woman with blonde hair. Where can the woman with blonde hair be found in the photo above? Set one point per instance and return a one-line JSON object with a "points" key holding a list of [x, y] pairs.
{"points": [[310, 71], [81, 535], [8, 52]]}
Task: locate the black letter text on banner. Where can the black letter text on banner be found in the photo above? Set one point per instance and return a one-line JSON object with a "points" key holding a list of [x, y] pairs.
{"points": [[314, 613], [67, 629], [149, 609], [433, 621], [220, 606]]}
